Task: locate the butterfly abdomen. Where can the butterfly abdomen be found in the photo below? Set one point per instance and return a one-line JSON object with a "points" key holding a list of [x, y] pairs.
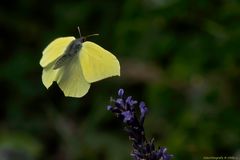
{"points": [[72, 50]]}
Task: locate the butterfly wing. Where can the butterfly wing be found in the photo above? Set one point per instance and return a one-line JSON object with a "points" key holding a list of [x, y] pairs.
{"points": [[71, 80], [49, 75], [54, 50], [97, 63]]}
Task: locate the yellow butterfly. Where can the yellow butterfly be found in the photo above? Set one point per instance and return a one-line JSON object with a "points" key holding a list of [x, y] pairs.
{"points": [[75, 63]]}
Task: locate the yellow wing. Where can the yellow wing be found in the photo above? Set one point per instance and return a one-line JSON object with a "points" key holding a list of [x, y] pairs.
{"points": [[97, 63], [54, 50], [49, 75], [71, 80]]}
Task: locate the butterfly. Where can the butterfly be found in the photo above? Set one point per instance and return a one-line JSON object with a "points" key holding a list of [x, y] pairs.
{"points": [[76, 63]]}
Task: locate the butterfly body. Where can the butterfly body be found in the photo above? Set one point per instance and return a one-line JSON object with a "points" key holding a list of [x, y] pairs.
{"points": [[73, 48], [75, 63]]}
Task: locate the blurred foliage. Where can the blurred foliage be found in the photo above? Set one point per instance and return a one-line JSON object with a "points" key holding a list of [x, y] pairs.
{"points": [[181, 57]]}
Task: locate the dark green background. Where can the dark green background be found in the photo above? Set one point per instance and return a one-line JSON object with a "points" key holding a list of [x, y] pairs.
{"points": [[181, 57]]}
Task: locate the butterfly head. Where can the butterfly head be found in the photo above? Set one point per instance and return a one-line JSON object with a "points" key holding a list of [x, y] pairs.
{"points": [[84, 38]]}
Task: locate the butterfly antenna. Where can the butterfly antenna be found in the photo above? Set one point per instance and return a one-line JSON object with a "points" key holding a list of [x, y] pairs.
{"points": [[91, 35], [79, 31]]}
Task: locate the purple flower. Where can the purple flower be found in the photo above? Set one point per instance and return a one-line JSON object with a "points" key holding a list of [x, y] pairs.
{"points": [[143, 108], [128, 116], [162, 152], [143, 111], [130, 102], [109, 107], [120, 92], [127, 111], [119, 103]]}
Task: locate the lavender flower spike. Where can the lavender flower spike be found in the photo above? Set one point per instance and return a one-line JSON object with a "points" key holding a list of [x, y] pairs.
{"points": [[125, 109]]}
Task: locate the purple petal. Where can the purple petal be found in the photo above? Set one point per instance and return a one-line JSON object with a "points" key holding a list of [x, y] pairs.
{"points": [[120, 92], [129, 98], [109, 107], [127, 116], [119, 102], [162, 152], [130, 102], [143, 109]]}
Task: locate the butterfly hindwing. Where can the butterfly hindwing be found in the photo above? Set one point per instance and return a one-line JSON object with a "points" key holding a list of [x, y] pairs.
{"points": [[71, 80], [49, 75]]}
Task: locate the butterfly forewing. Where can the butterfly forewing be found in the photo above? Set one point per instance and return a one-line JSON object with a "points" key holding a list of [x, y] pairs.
{"points": [[55, 50], [97, 63]]}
